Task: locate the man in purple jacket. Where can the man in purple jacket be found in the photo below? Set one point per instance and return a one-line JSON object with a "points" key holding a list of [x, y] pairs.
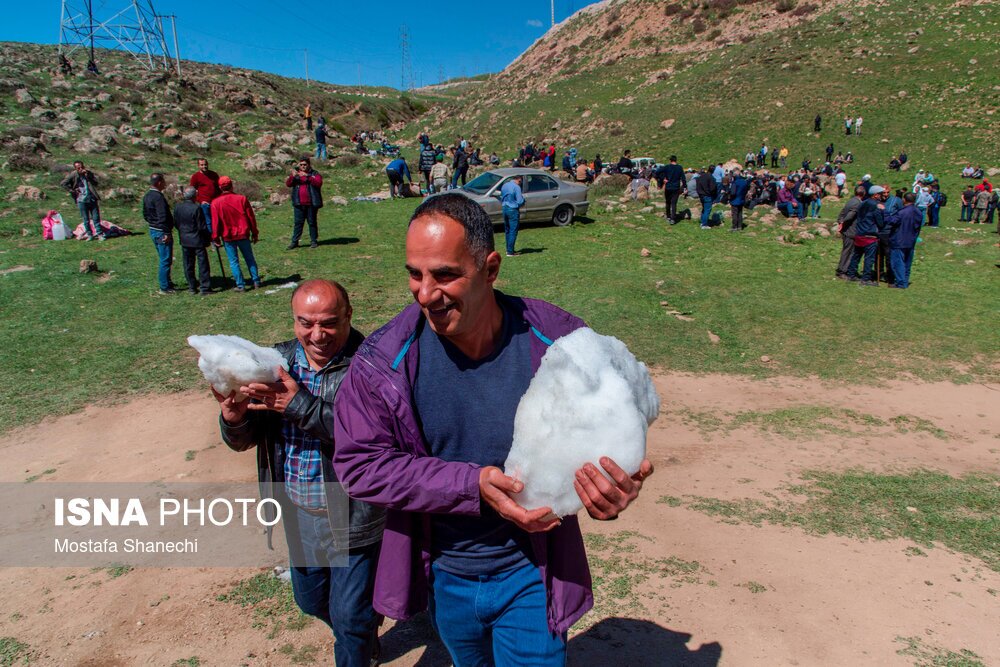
{"points": [[423, 423]]}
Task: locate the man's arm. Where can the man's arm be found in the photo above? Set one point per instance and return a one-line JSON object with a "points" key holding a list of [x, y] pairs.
{"points": [[285, 397], [251, 218]]}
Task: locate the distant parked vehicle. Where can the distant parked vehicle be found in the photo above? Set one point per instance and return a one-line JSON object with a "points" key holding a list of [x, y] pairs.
{"points": [[545, 198]]}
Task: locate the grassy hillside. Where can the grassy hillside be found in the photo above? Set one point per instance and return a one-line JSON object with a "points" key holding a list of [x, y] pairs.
{"points": [[128, 122], [726, 75]]}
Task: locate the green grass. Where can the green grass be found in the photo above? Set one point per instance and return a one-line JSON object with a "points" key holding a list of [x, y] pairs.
{"points": [[189, 455], [271, 602], [14, 652], [760, 297], [804, 421], [116, 571], [304, 655], [728, 284], [35, 478], [926, 507], [625, 579], [925, 655], [193, 661]]}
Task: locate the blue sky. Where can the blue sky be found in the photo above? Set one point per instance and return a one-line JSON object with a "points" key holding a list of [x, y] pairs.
{"points": [[449, 37]]}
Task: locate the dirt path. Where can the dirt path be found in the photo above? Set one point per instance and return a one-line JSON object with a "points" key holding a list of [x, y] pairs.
{"points": [[767, 595]]}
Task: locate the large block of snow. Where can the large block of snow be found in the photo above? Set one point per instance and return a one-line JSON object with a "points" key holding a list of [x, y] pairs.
{"points": [[590, 398], [229, 362]]}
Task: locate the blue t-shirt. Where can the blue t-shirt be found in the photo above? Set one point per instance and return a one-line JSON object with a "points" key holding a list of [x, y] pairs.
{"points": [[466, 410]]}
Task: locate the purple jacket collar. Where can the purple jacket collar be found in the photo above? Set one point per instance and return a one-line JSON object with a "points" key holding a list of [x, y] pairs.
{"points": [[382, 459]]}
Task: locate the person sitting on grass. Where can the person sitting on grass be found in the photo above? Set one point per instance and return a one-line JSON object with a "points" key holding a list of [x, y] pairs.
{"points": [[787, 204]]}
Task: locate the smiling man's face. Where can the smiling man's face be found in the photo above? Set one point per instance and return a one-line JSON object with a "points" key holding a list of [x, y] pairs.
{"points": [[452, 292]]}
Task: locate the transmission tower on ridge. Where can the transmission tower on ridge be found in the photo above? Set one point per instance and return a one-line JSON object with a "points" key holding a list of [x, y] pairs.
{"points": [[133, 27], [406, 75]]}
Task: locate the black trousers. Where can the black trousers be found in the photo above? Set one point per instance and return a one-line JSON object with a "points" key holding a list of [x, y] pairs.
{"points": [[305, 214], [204, 281], [737, 216], [846, 252], [671, 197]]}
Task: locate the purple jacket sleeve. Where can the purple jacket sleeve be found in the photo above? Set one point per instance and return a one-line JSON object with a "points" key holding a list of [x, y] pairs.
{"points": [[371, 461]]}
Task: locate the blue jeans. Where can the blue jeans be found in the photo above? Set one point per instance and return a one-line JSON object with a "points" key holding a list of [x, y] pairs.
{"points": [[901, 259], [706, 210], [791, 210], [511, 218], [91, 214], [868, 253], [164, 244], [814, 207], [207, 210], [495, 619], [934, 216], [233, 250], [341, 597], [966, 215], [320, 151]]}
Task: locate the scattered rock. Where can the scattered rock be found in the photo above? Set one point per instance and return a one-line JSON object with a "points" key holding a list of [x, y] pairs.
{"points": [[104, 134], [901, 93], [715, 340], [42, 113], [645, 252], [87, 145], [88, 266], [23, 96], [265, 142], [171, 133], [970, 261], [26, 193], [120, 194], [339, 201], [766, 359], [667, 124], [260, 162], [278, 198], [196, 139], [647, 209]]}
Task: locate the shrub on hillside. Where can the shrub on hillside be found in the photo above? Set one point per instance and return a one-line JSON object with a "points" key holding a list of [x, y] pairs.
{"points": [[712, 36], [28, 162], [672, 8], [609, 186], [802, 10], [612, 32], [250, 189], [348, 160], [337, 127], [698, 26], [784, 5]]}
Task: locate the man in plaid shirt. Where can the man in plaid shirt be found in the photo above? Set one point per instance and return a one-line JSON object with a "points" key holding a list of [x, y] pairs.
{"points": [[290, 422]]}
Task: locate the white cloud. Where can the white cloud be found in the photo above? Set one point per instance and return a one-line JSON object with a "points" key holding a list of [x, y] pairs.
{"points": [[534, 23]]}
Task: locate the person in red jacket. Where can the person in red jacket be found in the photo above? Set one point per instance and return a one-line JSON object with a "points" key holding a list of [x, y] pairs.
{"points": [[234, 224], [206, 183], [307, 200]]}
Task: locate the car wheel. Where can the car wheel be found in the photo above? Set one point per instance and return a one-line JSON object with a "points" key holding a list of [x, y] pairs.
{"points": [[563, 215]]}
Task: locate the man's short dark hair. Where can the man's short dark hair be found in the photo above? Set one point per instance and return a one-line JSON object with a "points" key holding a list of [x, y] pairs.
{"points": [[469, 214], [910, 197], [673, 158], [155, 178], [79, 162], [305, 158], [860, 191]]}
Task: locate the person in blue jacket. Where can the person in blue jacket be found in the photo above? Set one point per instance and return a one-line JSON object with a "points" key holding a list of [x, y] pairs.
{"points": [[869, 224], [903, 227], [397, 170], [737, 198]]}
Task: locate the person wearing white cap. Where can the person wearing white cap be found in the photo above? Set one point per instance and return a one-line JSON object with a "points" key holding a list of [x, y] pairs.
{"points": [[870, 223]]}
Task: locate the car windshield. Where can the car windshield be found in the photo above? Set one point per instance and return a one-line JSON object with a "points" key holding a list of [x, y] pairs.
{"points": [[481, 184]]}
